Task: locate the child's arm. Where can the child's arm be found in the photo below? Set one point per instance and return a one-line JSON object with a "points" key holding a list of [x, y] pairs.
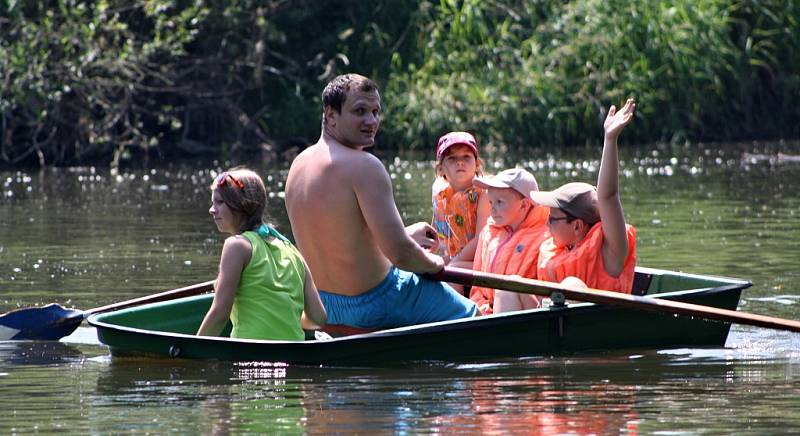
{"points": [[464, 257], [467, 254], [615, 240], [235, 255], [484, 209], [314, 315], [476, 294]]}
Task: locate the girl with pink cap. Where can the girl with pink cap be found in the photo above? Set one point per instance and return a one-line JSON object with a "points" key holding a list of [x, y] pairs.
{"points": [[460, 209]]}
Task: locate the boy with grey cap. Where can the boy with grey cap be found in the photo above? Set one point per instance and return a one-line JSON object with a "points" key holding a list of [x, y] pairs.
{"points": [[590, 244], [577, 199]]}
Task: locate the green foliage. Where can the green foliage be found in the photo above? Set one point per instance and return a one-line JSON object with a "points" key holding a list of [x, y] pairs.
{"points": [[537, 72], [100, 80], [82, 81]]}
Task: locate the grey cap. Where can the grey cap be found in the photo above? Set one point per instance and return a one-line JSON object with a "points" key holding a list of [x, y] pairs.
{"points": [[577, 199]]}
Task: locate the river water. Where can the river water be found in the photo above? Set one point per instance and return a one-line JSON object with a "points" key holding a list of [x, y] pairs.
{"points": [[86, 237]]}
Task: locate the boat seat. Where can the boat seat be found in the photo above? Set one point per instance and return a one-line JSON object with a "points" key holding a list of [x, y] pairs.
{"points": [[339, 330]]}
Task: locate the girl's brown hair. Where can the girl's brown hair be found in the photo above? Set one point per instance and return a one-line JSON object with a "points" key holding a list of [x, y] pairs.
{"points": [[244, 192]]}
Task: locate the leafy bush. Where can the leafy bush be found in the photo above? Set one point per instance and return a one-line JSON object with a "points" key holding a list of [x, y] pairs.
{"points": [[544, 73], [83, 81], [99, 80]]}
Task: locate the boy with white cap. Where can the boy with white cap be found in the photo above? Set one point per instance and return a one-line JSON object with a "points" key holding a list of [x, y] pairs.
{"points": [[509, 243]]}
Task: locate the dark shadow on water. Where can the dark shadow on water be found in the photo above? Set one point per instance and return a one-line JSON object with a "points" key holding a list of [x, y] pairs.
{"points": [[38, 353]]}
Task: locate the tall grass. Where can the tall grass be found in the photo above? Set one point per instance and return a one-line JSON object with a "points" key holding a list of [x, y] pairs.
{"points": [[101, 80], [544, 73]]}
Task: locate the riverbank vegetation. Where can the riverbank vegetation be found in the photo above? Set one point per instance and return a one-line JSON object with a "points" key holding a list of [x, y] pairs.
{"points": [[105, 80]]}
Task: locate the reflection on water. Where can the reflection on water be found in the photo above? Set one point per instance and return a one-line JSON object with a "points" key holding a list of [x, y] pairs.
{"points": [[647, 391], [86, 237]]}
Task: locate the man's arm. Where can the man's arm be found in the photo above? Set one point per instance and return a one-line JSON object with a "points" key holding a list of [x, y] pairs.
{"points": [[373, 189], [615, 240]]}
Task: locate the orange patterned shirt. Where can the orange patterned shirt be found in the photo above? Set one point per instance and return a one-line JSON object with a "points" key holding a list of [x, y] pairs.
{"points": [[455, 216]]}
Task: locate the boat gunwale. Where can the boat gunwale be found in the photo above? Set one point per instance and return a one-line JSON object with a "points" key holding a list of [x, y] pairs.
{"points": [[440, 326]]}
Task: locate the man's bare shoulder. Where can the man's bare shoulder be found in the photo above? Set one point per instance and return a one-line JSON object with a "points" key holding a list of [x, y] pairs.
{"points": [[367, 172], [365, 161], [336, 150], [336, 165], [349, 161], [309, 154]]}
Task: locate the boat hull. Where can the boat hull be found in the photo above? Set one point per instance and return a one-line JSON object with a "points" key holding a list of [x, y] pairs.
{"points": [[166, 329]]}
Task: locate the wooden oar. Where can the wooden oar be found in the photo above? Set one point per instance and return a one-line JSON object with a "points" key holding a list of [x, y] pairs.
{"points": [[539, 287], [53, 322]]}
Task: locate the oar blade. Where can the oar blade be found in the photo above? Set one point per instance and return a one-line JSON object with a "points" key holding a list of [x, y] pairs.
{"points": [[53, 322], [48, 323]]}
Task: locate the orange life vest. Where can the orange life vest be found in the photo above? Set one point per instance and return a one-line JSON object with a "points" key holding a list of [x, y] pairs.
{"points": [[455, 216], [585, 261], [502, 251]]}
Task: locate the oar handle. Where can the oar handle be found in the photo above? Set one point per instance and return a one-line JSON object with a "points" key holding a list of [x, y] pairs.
{"points": [[539, 287], [185, 291], [498, 281]]}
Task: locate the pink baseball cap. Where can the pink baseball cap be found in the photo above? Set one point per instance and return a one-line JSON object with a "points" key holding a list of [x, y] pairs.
{"points": [[456, 138]]}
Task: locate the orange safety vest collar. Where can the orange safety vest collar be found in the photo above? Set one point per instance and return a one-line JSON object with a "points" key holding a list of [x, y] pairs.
{"points": [[502, 251], [585, 261]]}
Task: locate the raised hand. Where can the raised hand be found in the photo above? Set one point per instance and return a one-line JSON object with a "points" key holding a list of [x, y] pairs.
{"points": [[616, 121]]}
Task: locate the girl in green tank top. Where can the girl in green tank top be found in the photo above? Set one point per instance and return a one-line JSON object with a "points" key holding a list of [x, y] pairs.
{"points": [[263, 286]]}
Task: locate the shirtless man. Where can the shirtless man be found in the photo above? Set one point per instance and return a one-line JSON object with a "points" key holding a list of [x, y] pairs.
{"points": [[346, 224]]}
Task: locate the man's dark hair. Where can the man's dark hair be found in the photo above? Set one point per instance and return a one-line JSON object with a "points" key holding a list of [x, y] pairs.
{"points": [[335, 92]]}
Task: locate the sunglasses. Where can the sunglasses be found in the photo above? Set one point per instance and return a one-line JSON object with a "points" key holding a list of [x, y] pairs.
{"points": [[222, 180], [552, 219]]}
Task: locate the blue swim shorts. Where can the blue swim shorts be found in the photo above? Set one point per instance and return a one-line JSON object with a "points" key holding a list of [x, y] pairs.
{"points": [[401, 299]]}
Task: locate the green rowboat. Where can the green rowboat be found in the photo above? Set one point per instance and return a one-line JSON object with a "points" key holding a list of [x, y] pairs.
{"points": [[166, 329]]}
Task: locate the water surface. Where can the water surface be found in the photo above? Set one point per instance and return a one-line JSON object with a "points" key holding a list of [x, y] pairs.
{"points": [[86, 237]]}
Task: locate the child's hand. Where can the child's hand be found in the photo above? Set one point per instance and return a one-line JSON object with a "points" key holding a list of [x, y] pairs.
{"points": [[616, 121]]}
